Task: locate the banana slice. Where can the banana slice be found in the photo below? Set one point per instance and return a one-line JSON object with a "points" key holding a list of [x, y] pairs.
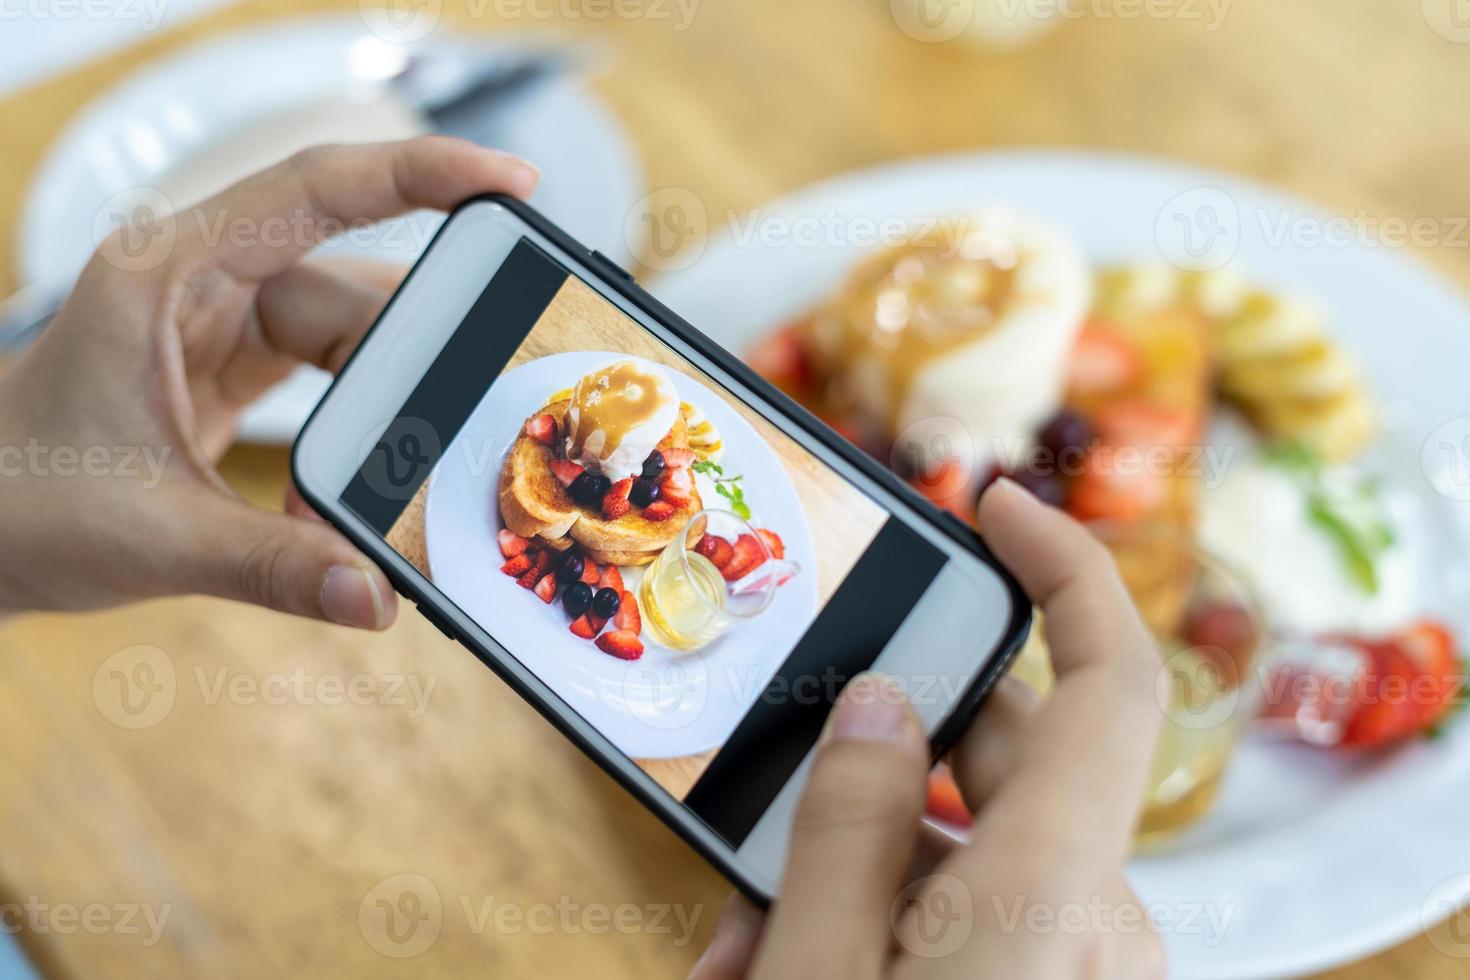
{"points": [[1337, 427], [564, 395], [1266, 325], [704, 438], [1317, 369]]}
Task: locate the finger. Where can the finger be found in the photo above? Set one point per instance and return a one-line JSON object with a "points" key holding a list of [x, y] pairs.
{"points": [[261, 226], [296, 505], [1082, 763], [732, 947], [986, 754], [852, 838], [317, 311], [283, 563]]}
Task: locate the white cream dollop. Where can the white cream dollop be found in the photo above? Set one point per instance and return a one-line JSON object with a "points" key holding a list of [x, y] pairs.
{"points": [[617, 415]]}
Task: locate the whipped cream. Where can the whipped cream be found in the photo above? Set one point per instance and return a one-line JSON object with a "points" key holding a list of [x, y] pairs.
{"points": [[617, 415]]}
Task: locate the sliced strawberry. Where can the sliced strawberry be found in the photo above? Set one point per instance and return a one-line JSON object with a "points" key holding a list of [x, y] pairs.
{"points": [[717, 549], [1145, 425], [566, 471], [1102, 361], [1386, 709], [707, 544], [944, 802], [615, 502], [611, 579], [517, 566], [546, 589], [540, 565], [677, 459], [1440, 673], [623, 644], [582, 626], [659, 510], [676, 479], [773, 542], [676, 498], [511, 544], [747, 557], [542, 428], [628, 617], [1115, 487], [591, 571]]}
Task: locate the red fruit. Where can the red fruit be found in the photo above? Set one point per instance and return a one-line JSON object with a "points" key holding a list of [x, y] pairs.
{"points": [[591, 571], [747, 557], [945, 802], [675, 459], [1115, 487], [546, 589], [540, 565], [1441, 675], [611, 579], [780, 358], [1144, 425], [628, 617], [517, 566], [1225, 626], [566, 471], [717, 549], [773, 542], [676, 498], [615, 501], [542, 428], [659, 510], [511, 544], [623, 644], [1102, 361], [1385, 694], [676, 479], [582, 626]]}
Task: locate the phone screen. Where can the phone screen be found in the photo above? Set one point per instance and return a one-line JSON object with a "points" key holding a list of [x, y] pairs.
{"points": [[690, 580]]}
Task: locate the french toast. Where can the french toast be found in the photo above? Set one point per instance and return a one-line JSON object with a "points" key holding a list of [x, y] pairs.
{"points": [[535, 504]]}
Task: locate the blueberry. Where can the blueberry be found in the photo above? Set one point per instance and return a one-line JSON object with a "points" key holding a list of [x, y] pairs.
{"points": [[653, 466], [1066, 433], [576, 598], [589, 489], [644, 492], [569, 566], [606, 602]]}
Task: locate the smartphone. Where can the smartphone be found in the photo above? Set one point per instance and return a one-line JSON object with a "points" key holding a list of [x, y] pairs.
{"points": [[526, 435]]}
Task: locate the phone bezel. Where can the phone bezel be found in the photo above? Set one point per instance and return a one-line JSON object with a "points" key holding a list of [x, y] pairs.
{"points": [[770, 402]]}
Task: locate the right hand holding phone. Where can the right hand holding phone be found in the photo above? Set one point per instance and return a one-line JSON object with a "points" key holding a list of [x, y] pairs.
{"points": [[1039, 890]]}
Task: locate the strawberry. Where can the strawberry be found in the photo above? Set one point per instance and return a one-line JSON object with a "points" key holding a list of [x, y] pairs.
{"points": [[945, 803], [542, 428], [1225, 626], [517, 566], [628, 617], [773, 542], [1102, 361], [611, 579], [623, 644], [747, 557], [540, 565], [546, 589], [565, 471], [591, 573], [717, 549], [1431, 648], [1115, 487], [676, 479], [677, 459], [511, 544], [615, 502], [1384, 692], [582, 626], [1143, 425], [659, 510], [676, 498]]}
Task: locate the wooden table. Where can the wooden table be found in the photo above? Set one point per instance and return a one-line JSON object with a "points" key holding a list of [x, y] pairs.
{"points": [[265, 829]]}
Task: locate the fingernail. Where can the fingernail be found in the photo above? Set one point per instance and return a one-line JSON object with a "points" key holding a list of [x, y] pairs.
{"points": [[523, 177], [870, 707], [350, 597]]}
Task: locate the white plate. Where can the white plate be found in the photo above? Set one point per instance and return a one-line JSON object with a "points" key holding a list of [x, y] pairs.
{"points": [[1315, 860], [174, 108], [665, 704]]}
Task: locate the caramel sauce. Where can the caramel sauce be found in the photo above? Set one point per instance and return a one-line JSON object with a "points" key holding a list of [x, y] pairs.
{"points": [[614, 399]]}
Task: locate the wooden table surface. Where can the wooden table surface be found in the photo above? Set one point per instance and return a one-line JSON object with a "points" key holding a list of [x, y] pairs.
{"points": [[270, 822]]}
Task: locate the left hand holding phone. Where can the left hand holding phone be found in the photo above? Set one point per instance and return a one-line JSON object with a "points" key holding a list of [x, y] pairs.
{"points": [[111, 423]]}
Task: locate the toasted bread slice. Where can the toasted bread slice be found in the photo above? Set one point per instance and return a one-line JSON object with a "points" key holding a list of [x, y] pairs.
{"points": [[534, 504]]}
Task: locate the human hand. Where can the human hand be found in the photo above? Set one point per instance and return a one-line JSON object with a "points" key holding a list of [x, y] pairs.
{"points": [[111, 423], [1055, 787]]}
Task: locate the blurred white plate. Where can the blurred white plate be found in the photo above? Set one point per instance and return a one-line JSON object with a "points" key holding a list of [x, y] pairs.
{"points": [[666, 704], [185, 104], [1310, 860]]}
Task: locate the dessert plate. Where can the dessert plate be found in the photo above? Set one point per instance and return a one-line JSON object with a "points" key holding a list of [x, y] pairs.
{"points": [[667, 704], [1310, 860]]}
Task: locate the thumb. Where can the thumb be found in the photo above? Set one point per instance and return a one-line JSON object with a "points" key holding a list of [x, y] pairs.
{"points": [[853, 838], [290, 564]]}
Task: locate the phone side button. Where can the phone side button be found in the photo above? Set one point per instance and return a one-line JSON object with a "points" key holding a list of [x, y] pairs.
{"points": [[609, 265], [433, 617]]}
